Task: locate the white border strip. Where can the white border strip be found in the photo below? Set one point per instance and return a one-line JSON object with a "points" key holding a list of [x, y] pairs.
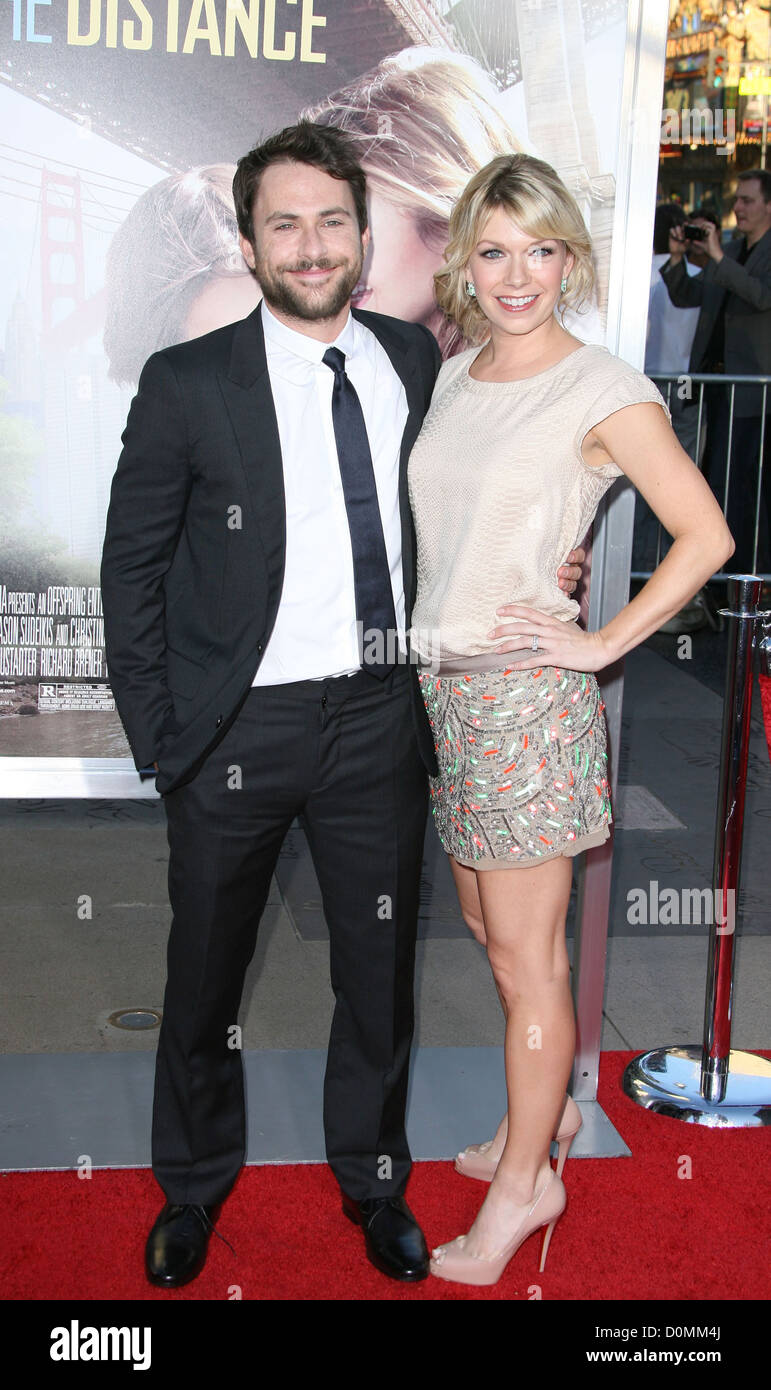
{"points": [[73, 777]]}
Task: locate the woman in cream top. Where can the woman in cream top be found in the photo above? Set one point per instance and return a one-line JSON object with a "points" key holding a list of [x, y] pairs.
{"points": [[501, 458], [524, 436]]}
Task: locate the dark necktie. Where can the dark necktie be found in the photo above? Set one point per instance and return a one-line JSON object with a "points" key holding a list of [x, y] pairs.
{"points": [[371, 576]]}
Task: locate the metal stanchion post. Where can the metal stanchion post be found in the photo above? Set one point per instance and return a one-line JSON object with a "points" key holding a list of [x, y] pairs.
{"points": [[713, 1084]]}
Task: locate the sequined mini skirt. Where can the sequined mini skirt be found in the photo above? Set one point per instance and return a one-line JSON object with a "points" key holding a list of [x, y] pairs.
{"points": [[522, 765]]}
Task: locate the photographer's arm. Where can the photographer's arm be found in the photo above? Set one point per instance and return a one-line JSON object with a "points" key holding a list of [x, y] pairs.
{"points": [[752, 286], [685, 291]]}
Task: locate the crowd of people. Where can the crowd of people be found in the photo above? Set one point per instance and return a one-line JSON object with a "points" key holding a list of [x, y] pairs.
{"points": [[710, 313]]}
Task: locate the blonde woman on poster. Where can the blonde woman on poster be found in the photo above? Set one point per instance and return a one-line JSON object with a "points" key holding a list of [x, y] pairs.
{"points": [[422, 122], [522, 439]]}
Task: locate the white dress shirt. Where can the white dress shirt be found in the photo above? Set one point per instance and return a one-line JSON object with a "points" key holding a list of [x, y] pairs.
{"points": [[670, 330], [315, 631]]}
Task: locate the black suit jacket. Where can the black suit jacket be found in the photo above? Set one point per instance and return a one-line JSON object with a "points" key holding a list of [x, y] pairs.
{"points": [[194, 551]]}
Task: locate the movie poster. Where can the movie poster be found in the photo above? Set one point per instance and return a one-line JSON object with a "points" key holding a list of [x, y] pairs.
{"points": [[121, 121]]}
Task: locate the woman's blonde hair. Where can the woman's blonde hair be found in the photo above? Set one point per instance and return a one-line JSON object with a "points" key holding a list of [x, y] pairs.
{"points": [[536, 199], [423, 121]]}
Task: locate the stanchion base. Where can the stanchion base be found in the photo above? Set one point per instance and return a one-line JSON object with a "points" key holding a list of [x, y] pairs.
{"points": [[668, 1080]]}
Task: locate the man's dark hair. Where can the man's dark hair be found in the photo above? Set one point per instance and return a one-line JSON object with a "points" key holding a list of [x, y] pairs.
{"points": [[668, 215], [323, 147], [763, 177], [709, 215]]}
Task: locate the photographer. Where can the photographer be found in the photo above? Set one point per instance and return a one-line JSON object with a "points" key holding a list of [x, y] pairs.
{"points": [[733, 336], [668, 345], [671, 328]]}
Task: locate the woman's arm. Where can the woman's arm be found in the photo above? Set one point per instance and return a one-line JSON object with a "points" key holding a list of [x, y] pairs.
{"points": [[639, 439]]}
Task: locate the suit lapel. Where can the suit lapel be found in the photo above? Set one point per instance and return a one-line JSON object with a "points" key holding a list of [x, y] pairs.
{"points": [[762, 246], [405, 363], [249, 401]]}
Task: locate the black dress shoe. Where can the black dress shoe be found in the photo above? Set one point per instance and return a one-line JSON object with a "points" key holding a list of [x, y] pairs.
{"points": [[176, 1246], [395, 1243]]}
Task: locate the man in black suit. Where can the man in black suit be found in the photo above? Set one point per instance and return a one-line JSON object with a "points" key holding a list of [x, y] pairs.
{"points": [[258, 536]]}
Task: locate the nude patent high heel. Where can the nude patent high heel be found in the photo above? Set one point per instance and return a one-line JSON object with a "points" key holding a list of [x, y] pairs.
{"points": [[474, 1162], [451, 1261]]}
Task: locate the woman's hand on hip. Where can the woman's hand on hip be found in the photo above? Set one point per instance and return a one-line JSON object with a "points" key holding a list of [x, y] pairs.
{"points": [[558, 643]]}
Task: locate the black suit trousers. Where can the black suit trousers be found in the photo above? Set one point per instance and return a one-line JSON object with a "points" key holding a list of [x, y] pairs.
{"points": [[342, 754]]}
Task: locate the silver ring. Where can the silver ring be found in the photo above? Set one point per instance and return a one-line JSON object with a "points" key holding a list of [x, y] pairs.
{"points": [[534, 643]]}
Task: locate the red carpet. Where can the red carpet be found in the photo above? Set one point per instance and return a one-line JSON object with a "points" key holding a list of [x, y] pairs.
{"points": [[633, 1228]]}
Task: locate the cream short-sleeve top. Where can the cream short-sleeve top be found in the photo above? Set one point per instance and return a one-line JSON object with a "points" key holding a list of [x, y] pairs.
{"points": [[500, 492]]}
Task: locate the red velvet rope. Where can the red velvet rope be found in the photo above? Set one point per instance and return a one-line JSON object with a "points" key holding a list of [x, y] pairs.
{"points": [[765, 702]]}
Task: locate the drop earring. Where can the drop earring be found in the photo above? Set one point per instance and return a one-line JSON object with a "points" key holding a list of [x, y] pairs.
{"points": [[563, 285], [470, 289]]}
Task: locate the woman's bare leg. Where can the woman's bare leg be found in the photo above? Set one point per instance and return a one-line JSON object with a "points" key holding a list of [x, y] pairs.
{"points": [[471, 909], [468, 897], [524, 913]]}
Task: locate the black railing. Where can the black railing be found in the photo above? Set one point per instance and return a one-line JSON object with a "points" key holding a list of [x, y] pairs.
{"points": [[708, 419]]}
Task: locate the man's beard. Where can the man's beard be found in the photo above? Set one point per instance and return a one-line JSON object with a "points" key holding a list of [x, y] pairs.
{"points": [[279, 293]]}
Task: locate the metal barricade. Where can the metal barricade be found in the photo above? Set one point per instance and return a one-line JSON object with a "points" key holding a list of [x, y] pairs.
{"points": [[713, 414]]}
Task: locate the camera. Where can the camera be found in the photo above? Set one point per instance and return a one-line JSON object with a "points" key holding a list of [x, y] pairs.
{"points": [[694, 233]]}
